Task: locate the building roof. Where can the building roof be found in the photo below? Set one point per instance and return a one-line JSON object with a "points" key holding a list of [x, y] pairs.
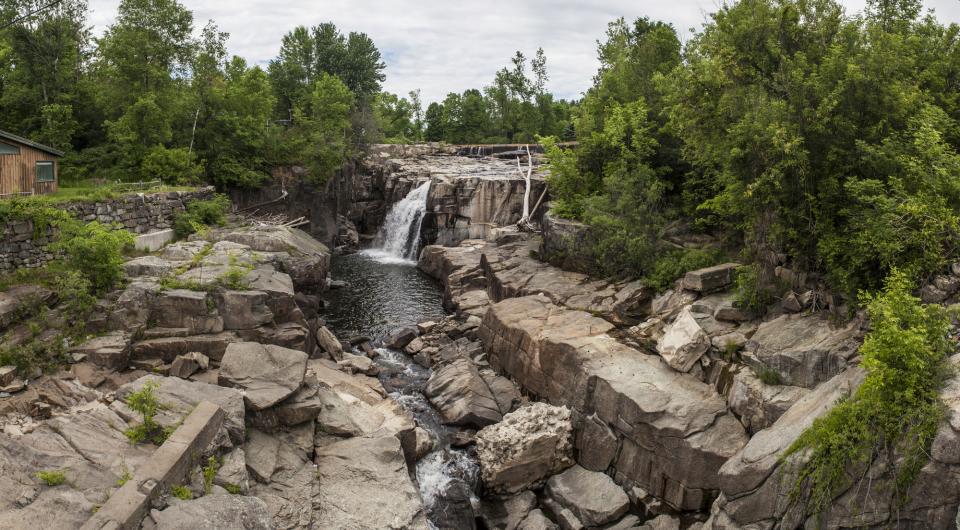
{"points": [[21, 140]]}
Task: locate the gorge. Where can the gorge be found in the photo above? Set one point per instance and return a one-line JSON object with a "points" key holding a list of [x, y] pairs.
{"points": [[433, 371]]}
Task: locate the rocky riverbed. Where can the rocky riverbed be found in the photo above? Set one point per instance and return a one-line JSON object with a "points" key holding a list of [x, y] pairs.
{"points": [[477, 387]]}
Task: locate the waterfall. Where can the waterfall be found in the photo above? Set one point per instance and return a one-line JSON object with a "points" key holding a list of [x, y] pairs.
{"points": [[400, 234]]}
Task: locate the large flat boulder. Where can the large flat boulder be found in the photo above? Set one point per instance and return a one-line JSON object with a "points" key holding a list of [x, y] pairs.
{"points": [[805, 350], [711, 279], [215, 512], [182, 308], [111, 350], [364, 483], [305, 259], [592, 497], [529, 445], [179, 397], [674, 431], [466, 396], [267, 374]]}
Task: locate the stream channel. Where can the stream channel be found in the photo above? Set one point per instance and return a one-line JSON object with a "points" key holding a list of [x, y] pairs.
{"points": [[384, 292]]}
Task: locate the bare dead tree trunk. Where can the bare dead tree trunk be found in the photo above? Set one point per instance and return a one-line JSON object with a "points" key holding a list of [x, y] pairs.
{"points": [[524, 221]]}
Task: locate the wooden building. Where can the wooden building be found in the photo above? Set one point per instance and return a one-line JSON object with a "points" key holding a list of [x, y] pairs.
{"points": [[26, 167]]}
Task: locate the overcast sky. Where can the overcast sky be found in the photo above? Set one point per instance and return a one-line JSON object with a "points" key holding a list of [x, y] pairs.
{"points": [[450, 46]]}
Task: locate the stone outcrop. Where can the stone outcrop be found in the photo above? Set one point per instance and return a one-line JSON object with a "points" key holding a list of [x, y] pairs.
{"points": [[529, 445], [803, 349], [267, 374], [674, 432], [590, 497], [363, 483], [466, 395], [213, 512]]}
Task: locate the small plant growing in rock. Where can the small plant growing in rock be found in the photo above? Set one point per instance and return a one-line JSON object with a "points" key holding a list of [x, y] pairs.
{"points": [[144, 401], [233, 489], [770, 377], [730, 349], [235, 279], [52, 478], [181, 492], [125, 476], [210, 473]]}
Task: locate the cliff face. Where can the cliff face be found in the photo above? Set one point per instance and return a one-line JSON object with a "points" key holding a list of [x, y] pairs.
{"points": [[468, 195]]}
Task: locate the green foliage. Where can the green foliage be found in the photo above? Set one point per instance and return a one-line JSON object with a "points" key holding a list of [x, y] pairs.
{"points": [[181, 492], [201, 214], [769, 376], [145, 403], [894, 415], [38, 212], [234, 279], [323, 127], [210, 473], [753, 291], [678, 262], [233, 489], [95, 251], [171, 166], [52, 478], [125, 477]]}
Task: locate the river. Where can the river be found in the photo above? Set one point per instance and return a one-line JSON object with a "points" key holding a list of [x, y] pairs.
{"points": [[385, 291]]}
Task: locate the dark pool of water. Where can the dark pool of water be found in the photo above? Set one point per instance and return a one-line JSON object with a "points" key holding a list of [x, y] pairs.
{"points": [[380, 296]]}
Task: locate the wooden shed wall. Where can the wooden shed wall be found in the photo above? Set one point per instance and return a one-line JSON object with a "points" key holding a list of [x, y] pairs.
{"points": [[18, 173]]}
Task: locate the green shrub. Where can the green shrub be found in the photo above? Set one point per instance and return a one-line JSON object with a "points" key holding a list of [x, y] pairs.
{"points": [[769, 376], [171, 166], [233, 489], [181, 492], [201, 214], [235, 279], [95, 251], [678, 262], [894, 415], [210, 473], [144, 402], [52, 478], [752, 292]]}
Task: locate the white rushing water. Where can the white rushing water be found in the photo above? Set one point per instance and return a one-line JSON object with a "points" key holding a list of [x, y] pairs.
{"points": [[399, 237]]}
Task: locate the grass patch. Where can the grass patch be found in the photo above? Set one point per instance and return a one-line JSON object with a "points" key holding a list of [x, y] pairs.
{"points": [[770, 377], [52, 478], [233, 489], [181, 492]]}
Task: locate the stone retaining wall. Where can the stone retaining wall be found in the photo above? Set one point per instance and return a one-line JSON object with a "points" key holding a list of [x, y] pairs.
{"points": [[21, 246]]}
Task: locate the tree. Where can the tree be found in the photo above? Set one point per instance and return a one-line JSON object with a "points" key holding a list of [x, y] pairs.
{"points": [[323, 127], [434, 117]]}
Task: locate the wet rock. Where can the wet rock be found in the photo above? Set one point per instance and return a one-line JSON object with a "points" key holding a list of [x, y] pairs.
{"points": [[804, 350], [185, 365], [358, 364], [424, 442], [329, 343], [683, 342], [268, 374], [213, 512], [465, 397], [529, 445], [591, 496], [711, 279], [453, 507], [353, 472], [509, 512], [536, 520], [400, 338]]}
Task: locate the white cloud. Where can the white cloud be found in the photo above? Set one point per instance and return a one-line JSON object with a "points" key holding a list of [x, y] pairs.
{"points": [[443, 47]]}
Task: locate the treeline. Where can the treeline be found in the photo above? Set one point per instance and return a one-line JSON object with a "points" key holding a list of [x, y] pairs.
{"points": [[152, 98], [794, 131], [515, 108]]}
